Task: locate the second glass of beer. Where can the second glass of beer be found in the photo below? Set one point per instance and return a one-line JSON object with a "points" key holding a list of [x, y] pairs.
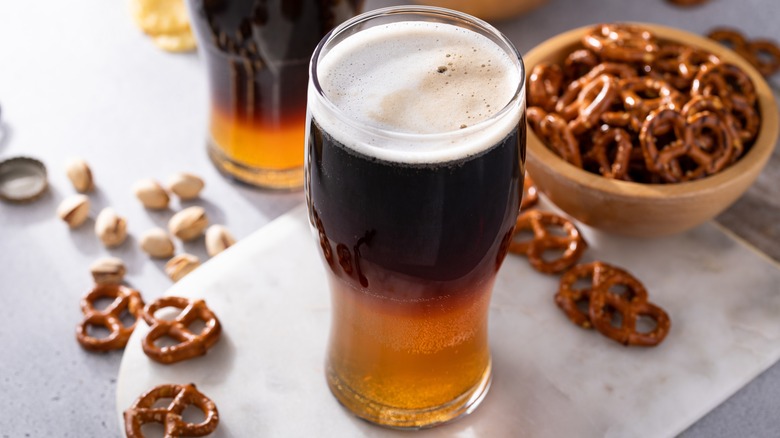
{"points": [[414, 172], [257, 54]]}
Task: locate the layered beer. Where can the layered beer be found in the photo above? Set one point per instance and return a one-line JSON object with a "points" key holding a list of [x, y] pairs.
{"points": [[414, 172], [257, 54]]}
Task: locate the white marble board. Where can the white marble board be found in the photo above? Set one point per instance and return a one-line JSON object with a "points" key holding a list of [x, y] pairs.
{"points": [[551, 378]]}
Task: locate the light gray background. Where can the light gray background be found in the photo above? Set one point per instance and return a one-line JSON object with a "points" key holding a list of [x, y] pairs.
{"points": [[77, 78]]}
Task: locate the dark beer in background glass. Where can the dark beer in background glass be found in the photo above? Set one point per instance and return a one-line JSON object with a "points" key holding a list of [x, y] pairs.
{"points": [[257, 54], [414, 172]]}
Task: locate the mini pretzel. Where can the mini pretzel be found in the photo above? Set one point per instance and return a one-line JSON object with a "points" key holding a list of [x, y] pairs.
{"points": [[679, 65], [763, 54], [544, 86], [110, 318], [568, 298], [688, 2], [708, 157], [579, 62], [530, 193], [143, 412], [621, 42], [568, 104], [555, 133], [594, 99], [572, 244], [726, 81], [736, 92], [604, 303], [645, 94], [618, 167], [190, 344]]}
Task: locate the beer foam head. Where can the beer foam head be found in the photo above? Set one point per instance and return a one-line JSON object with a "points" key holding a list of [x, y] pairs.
{"points": [[418, 92]]}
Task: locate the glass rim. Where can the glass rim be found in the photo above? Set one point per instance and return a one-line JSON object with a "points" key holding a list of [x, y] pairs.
{"points": [[416, 10]]}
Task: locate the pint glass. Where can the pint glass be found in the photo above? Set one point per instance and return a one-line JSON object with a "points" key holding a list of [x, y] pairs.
{"points": [[257, 54], [414, 172]]}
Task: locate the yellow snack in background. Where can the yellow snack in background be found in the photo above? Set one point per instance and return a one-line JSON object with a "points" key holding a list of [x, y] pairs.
{"points": [[176, 42], [166, 21]]}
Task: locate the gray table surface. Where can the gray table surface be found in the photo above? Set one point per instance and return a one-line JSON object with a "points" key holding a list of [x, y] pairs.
{"points": [[79, 79]]}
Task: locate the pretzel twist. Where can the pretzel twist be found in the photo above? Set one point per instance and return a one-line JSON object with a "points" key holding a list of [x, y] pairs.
{"points": [[621, 42], [555, 133], [569, 298], [544, 86], [572, 244], [530, 193], [125, 299], [596, 305], [143, 412], [604, 304], [189, 344], [761, 53], [579, 62], [618, 167], [593, 100]]}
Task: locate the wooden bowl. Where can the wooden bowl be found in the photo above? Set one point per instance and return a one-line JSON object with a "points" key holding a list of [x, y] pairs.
{"points": [[487, 9], [648, 210]]}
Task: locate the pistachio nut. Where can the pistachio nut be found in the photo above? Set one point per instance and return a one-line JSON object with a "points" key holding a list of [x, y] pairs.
{"points": [[80, 175], [189, 223], [151, 194], [181, 265], [110, 227], [156, 243], [185, 185], [108, 270], [74, 210], [218, 239]]}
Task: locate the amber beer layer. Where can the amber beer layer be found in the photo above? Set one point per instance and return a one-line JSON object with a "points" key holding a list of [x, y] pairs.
{"points": [[415, 153], [257, 55]]}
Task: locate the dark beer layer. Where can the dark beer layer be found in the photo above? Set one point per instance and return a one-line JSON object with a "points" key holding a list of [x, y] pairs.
{"points": [[258, 51], [439, 222]]}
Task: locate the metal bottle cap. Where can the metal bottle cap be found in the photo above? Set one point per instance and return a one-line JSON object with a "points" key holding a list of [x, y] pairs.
{"points": [[22, 179]]}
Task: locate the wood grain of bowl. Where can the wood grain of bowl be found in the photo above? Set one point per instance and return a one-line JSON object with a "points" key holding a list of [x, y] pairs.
{"points": [[648, 210]]}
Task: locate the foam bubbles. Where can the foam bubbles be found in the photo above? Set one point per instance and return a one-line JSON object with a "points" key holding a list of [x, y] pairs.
{"points": [[427, 83]]}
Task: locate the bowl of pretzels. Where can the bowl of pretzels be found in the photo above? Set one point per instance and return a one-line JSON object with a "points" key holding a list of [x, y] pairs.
{"points": [[645, 130]]}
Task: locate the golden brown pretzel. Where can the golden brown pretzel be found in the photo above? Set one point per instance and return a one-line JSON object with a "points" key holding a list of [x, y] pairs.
{"points": [[553, 130], [569, 298], [593, 100], [713, 104], [645, 94], [143, 411], [110, 317], [688, 2], [579, 62], [569, 105], [736, 92], [621, 42], [604, 304], [530, 193], [617, 167], [726, 81], [189, 344], [596, 304], [572, 244], [544, 86], [763, 54], [704, 138], [679, 64]]}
